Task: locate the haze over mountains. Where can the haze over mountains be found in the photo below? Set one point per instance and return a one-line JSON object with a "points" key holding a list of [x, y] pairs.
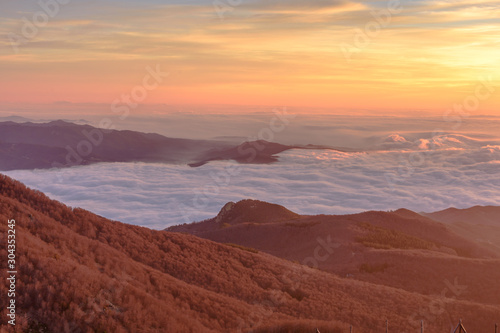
{"points": [[63, 144], [411, 169], [59, 144], [303, 126], [80, 272]]}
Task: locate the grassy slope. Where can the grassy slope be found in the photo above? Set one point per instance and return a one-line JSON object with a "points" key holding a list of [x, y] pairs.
{"points": [[79, 272]]}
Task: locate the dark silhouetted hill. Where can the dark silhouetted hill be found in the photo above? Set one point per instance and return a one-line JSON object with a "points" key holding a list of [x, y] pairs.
{"points": [[64, 144], [256, 152]]}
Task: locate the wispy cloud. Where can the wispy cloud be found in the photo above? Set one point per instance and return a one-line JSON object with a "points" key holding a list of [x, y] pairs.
{"points": [[288, 47]]}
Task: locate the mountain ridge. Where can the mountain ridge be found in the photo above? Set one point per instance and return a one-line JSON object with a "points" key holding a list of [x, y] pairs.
{"points": [[487, 215], [401, 249], [79, 272], [66, 144]]}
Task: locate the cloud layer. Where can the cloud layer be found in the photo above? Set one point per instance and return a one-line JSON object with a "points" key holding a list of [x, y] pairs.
{"points": [[306, 181]]}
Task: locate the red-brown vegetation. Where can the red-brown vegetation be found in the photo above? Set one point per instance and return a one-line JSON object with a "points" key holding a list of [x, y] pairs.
{"points": [[400, 249], [78, 272]]}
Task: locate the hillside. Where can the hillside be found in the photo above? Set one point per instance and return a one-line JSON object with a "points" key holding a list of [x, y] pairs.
{"points": [[485, 215], [400, 249], [78, 272], [479, 223]]}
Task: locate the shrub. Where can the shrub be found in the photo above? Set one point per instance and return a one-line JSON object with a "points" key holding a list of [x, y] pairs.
{"points": [[375, 268], [244, 248], [381, 238]]}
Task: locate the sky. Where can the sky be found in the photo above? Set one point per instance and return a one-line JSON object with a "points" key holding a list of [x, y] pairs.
{"points": [[399, 55]]}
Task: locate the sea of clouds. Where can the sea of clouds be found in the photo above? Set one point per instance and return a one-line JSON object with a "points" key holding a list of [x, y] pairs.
{"points": [[400, 171]]}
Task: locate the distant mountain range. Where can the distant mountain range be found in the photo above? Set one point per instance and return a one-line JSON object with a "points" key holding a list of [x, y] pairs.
{"points": [[79, 272], [62, 144]]}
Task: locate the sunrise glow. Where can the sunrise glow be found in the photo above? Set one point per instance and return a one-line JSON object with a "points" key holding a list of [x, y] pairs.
{"points": [[370, 55]]}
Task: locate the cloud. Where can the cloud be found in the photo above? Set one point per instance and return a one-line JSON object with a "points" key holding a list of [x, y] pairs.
{"points": [[302, 7], [397, 162], [306, 181], [435, 49]]}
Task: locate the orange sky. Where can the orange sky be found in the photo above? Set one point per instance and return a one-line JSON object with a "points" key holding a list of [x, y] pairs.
{"points": [[429, 55]]}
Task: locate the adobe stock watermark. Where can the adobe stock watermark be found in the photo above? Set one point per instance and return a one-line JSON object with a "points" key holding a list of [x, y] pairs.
{"points": [[222, 7], [248, 152], [11, 272], [120, 106], [292, 279], [436, 307], [455, 115], [363, 37], [31, 26]]}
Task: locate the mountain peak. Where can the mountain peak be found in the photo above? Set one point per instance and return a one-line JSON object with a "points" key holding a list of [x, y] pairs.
{"points": [[253, 211], [59, 122], [409, 214]]}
